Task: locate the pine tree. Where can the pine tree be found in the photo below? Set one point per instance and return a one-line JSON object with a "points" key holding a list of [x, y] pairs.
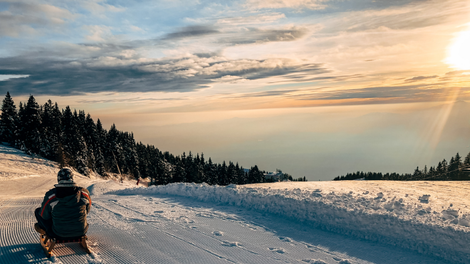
{"points": [[114, 153], [8, 121], [91, 139], [144, 160], [80, 145], [222, 174], [210, 172], [99, 151], [255, 175], [240, 174], [50, 126], [231, 173], [130, 154], [179, 174], [73, 143], [31, 124]]}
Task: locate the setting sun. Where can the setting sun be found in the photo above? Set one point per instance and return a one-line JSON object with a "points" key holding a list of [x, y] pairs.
{"points": [[458, 53]]}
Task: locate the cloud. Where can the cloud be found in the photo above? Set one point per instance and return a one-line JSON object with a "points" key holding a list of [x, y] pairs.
{"points": [[255, 35], [247, 20], [210, 38], [98, 33], [278, 4], [391, 94], [4, 77], [421, 78], [402, 15], [99, 7], [129, 100], [121, 73], [31, 18], [191, 31], [369, 95]]}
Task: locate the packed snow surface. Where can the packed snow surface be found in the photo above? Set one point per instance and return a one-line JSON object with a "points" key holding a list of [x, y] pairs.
{"points": [[292, 222]]}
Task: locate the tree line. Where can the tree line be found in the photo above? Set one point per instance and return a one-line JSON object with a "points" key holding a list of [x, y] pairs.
{"points": [[454, 170], [73, 139]]}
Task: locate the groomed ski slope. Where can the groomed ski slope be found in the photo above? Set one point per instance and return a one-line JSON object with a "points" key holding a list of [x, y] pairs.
{"points": [[313, 222]]}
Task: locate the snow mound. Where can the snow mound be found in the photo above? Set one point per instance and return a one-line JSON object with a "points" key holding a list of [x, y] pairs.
{"points": [[106, 186], [391, 215]]}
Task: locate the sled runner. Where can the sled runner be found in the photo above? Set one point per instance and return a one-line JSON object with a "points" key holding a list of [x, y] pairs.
{"points": [[48, 243]]}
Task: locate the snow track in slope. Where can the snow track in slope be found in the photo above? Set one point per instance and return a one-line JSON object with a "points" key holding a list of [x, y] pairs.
{"points": [[169, 229], [19, 242], [166, 229]]}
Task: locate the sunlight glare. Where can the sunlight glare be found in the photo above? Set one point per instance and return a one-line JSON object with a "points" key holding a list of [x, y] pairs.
{"points": [[458, 53]]}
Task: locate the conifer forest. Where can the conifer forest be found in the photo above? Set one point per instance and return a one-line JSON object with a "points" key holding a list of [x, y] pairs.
{"points": [[74, 139]]}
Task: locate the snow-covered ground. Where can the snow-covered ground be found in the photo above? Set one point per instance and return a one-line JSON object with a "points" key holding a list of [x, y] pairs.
{"points": [[293, 222]]}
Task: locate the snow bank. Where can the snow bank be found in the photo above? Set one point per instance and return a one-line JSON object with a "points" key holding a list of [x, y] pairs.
{"points": [[393, 216]]}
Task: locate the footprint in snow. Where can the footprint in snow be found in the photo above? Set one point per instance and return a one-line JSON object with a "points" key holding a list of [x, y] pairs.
{"points": [[230, 244], [343, 261], [314, 261], [311, 248], [218, 233], [285, 239], [278, 250]]}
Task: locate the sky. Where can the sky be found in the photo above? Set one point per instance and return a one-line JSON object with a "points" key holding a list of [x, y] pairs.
{"points": [[316, 88]]}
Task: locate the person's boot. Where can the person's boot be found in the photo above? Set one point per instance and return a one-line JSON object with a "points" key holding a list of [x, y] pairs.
{"points": [[38, 229]]}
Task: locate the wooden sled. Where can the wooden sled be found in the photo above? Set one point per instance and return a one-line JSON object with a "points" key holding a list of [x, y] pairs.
{"points": [[48, 243]]}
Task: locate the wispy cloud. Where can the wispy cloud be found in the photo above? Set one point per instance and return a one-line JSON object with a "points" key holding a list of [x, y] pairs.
{"points": [[98, 33], [406, 15], [191, 31], [255, 35], [278, 4], [250, 20], [421, 78], [129, 100], [31, 18]]}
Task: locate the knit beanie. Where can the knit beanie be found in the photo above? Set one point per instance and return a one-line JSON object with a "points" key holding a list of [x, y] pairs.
{"points": [[65, 178]]}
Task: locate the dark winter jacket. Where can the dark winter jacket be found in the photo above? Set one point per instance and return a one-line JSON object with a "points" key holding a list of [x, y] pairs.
{"points": [[68, 208]]}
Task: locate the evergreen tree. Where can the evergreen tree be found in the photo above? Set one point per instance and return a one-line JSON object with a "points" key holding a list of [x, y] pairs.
{"points": [[240, 177], [222, 174], [466, 162], [255, 175], [130, 154], [91, 139], [30, 126], [80, 145], [8, 121], [144, 160], [210, 170], [73, 144], [50, 126], [455, 167], [99, 150], [179, 173], [114, 153], [231, 173]]}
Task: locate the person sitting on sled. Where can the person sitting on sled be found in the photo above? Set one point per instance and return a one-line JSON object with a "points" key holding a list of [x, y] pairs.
{"points": [[64, 209]]}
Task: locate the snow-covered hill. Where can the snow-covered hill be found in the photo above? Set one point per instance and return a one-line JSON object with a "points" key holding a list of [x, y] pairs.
{"points": [[301, 222]]}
